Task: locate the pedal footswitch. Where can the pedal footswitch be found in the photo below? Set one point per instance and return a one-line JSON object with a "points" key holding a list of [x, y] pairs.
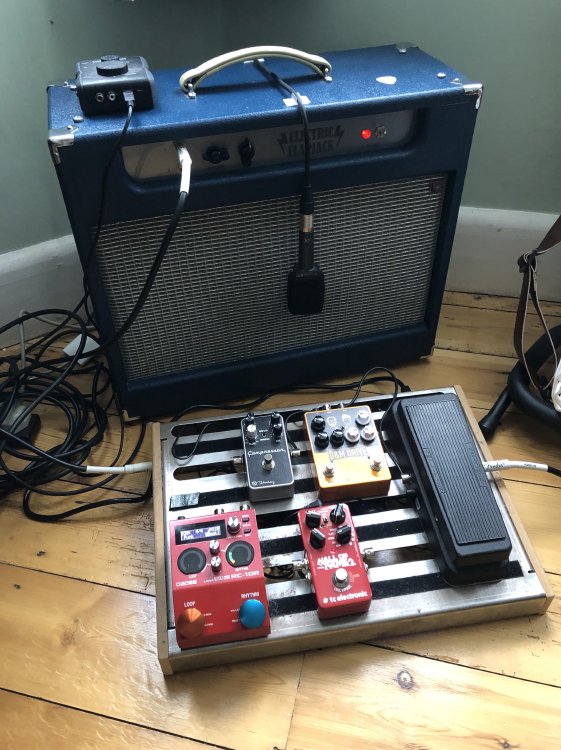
{"points": [[217, 580], [349, 460], [267, 457], [338, 573]]}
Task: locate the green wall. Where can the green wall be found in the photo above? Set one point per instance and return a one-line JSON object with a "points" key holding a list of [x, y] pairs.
{"points": [[512, 46]]}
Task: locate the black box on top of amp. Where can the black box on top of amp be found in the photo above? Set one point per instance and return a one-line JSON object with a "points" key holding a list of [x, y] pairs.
{"points": [[389, 135]]}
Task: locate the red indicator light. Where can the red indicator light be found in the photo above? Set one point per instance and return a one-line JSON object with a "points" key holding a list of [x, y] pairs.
{"points": [[366, 134]]}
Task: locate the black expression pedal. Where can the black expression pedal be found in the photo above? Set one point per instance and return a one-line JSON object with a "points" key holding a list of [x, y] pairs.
{"points": [[100, 84], [267, 457], [434, 443]]}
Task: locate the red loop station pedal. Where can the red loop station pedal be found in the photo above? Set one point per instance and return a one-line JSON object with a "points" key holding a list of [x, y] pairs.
{"points": [[218, 583], [348, 456], [339, 576]]}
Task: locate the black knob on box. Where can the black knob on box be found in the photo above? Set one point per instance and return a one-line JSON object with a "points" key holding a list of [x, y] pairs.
{"points": [[313, 519], [317, 539], [338, 515]]}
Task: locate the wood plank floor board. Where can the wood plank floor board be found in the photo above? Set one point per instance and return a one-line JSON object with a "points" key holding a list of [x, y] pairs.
{"points": [[29, 723], [92, 647], [525, 647], [354, 698]]}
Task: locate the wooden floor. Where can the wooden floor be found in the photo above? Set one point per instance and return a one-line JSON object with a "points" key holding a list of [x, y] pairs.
{"points": [[78, 664]]}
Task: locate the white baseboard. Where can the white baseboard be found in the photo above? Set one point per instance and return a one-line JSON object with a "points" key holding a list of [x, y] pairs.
{"points": [[487, 245], [486, 249], [47, 275]]}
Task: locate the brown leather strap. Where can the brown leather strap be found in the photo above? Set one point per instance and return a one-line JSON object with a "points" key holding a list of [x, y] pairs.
{"points": [[527, 264]]}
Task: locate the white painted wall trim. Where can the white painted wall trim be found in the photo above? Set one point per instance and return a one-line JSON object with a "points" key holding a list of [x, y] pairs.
{"points": [[487, 245], [47, 275]]}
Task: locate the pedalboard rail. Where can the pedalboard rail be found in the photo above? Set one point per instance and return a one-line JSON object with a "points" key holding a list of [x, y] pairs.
{"points": [[265, 544]]}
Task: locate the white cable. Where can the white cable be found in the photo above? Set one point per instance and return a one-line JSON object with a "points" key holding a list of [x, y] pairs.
{"points": [[185, 162], [505, 463], [126, 469]]}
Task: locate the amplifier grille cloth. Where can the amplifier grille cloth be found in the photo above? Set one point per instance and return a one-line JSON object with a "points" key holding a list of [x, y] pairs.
{"points": [[220, 294]]}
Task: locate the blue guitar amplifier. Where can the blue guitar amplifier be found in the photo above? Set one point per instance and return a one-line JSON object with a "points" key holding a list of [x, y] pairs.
{"points": [[389, 132]]}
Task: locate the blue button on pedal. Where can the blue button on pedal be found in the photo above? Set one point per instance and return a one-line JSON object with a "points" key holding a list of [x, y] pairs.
{"points": [[252, 613]]}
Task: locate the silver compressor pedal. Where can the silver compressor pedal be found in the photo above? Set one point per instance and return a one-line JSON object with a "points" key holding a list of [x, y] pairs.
{"points": [[267, 457]]}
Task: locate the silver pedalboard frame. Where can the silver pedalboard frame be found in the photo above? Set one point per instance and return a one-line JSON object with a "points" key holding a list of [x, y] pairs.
{"points": [[409, 594]]}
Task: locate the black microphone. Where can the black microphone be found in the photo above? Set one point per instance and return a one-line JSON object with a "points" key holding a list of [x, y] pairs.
{"points": [[306, 283]]}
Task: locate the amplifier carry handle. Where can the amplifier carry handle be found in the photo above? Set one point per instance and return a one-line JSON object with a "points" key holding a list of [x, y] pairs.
{"points": [[192, 78]]}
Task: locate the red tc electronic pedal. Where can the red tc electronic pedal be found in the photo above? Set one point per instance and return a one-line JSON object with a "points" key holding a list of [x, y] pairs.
{"points": [[339, 576], [218, 584], [348, 456]]}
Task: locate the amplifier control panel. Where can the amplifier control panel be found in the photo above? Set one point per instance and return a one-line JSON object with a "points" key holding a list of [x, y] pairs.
{"points": [[348, 456], [218, 585]]}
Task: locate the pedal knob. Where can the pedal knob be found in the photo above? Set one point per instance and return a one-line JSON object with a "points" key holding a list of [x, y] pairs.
{"points": [[251, 432], [368, 433], [313, 519], [233, 525], [337, 437], [317, 539], [338, 515], [322, 440], [352, 435], [277, 430], [252, 613], [215, 564], [343, 534], [363, 417], [190, 623], [340, 578], [214, 546], [318, 423]]}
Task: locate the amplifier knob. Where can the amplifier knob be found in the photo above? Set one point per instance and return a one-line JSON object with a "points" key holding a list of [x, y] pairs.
{"points": [[246, 150], [252, 613], [216, 154], [190, 623]]}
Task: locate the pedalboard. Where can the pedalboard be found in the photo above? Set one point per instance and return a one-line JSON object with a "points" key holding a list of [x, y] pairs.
{"points": [[218, 585], [267, 457], [435, 447], [348, 456], [442, 547], [337, 571]]}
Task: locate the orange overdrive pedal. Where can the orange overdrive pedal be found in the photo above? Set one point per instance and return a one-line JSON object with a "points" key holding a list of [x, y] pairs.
{"points": [[218, 585], [339, 575], [348, 456]]}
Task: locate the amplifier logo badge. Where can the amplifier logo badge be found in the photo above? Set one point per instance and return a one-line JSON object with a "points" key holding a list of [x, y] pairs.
{"points": [[322, 140]]}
